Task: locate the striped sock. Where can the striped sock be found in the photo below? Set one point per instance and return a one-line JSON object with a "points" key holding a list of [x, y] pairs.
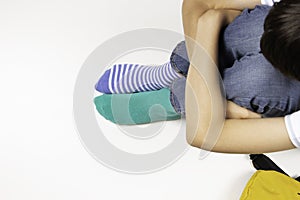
{"points": [[130, 78]]}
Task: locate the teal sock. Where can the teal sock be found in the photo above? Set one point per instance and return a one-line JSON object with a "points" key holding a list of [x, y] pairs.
{"points": [[137, 108]]}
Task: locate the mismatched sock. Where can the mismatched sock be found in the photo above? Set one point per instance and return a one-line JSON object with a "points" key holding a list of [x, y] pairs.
{"points": [[130, 78], [137, 108]]}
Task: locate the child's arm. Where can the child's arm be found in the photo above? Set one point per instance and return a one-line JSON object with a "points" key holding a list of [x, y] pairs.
{"points": [[233, 4], [224, 4], [237, 135], [234, 111]]}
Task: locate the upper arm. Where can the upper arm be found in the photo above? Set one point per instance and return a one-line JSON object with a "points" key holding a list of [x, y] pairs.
{"points": [[203, 80], [235, 4]]}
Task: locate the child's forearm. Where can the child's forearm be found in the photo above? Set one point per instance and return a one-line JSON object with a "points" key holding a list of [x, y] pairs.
{"points": [[252, 136]]}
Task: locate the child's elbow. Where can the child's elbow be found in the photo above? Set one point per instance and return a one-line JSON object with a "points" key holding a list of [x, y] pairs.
{"points": [[194, 137]]}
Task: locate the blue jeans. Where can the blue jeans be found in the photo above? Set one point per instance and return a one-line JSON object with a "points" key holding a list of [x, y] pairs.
{"points": [[249, 79]]}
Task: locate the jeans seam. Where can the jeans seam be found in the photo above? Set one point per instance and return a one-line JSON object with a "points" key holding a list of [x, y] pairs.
{"points": [[173, 63], [172, 101], [176, 107]]}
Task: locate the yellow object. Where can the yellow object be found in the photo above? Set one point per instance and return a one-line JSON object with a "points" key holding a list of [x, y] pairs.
{"points": [[271, 185]]}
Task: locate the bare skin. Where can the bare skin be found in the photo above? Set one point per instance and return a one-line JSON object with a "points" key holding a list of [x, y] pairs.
{"points": [[202, 23], [234, 111]]}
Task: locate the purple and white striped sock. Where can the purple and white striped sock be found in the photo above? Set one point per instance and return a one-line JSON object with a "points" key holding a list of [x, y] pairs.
{"points": [[130, 78]]}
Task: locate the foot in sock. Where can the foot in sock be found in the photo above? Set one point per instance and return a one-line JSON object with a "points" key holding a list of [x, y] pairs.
{"points": [[137, 108], [130, 78]]}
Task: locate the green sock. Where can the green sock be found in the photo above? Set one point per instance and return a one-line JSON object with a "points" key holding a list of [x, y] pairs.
{"points": [[137, 108]]}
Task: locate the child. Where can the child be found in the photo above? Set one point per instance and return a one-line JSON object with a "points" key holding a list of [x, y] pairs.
{"points": [[243, 136]]}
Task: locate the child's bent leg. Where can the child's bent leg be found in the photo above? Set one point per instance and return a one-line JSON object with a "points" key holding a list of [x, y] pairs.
{"points": [[252, 82], [130, 78], [242, 36]]}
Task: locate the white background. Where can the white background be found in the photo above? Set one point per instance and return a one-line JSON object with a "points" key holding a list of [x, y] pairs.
{"points": [[42, 47]]}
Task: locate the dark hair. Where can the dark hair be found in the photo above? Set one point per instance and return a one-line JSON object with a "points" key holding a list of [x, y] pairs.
{"points": [[280, 42]]}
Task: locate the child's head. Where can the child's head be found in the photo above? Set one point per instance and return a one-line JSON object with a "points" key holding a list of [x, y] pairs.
{"points": [[280, 43]]}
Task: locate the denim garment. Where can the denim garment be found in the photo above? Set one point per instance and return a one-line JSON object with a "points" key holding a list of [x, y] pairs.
{"points": [[249, 79], [177, 95]]}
